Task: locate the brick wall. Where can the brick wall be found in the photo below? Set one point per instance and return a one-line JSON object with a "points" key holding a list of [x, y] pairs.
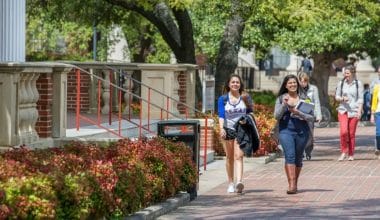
{"points": [[72, 91], [182, 91], [44, 86]]}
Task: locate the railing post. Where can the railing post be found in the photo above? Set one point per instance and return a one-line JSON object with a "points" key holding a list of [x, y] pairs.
{"points": [[119, 112], [149, 90], [99, 101], [205, 145], [77, 71], [140, 125], [110, 100]]}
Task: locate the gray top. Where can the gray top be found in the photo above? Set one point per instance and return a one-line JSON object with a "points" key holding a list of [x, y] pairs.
{"points": [[280, 109], [313, 94], [355, 97]]}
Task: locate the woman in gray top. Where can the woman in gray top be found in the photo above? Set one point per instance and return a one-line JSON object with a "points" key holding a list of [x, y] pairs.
{"points": [[349, 93], [312, 93]]}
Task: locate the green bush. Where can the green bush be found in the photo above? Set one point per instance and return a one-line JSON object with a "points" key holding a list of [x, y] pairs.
{"points": [[89, 182], [264, 98]]}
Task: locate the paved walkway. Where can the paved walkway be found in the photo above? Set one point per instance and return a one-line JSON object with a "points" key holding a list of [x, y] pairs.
{"points": [[328, 189]]}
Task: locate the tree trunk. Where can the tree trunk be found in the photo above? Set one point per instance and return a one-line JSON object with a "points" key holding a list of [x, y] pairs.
{"points": [[321, 74], [320, 77], [227, 59]]}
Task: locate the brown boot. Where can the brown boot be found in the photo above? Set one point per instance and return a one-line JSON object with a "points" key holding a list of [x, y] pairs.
{"points": [[298, 171], [291, 171]]}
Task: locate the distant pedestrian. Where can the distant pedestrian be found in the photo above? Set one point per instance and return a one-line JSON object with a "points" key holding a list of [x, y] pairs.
{"points": [[306, 66], [349, 94], [366, 103], [294, 131], [232, 105], [312, 93], [375, 116]]}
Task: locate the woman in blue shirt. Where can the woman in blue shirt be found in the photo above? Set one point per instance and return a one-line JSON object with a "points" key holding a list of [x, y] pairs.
{"points": [[293, 128], [234, 104]]}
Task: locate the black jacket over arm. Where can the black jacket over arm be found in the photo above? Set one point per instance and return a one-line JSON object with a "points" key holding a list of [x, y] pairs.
{"points": [[247, 134]]}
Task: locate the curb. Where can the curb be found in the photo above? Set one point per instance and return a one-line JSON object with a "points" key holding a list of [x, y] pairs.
{"points": [[265, 159], [154, 211], [335, 124]]}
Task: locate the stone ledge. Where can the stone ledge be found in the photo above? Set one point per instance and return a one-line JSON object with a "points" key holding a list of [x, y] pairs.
{"points": [[154, 211]]}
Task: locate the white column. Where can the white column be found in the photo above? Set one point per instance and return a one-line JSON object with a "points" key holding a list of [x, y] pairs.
{"points": [[12, 34], [295, 63], [118, 46]]}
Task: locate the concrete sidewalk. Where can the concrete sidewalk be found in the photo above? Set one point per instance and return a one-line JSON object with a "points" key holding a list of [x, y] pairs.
{"points": [[328, 189]]}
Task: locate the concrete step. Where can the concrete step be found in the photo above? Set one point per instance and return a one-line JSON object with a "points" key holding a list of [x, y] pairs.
{"points": [[210, 157]]}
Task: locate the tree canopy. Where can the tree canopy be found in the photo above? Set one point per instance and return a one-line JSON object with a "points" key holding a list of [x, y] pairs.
{"points": [[324, 29]]}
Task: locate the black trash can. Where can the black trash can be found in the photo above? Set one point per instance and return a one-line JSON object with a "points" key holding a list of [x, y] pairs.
{"points": [[187, 131]]}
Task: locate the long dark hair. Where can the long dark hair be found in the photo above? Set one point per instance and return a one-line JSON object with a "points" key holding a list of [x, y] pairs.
{"points": [[283, 88], [226, 87]]}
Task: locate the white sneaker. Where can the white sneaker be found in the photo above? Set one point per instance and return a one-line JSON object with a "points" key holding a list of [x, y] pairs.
{"points": [[239, 187], [231, 188], [351, 158], [342, 157]]}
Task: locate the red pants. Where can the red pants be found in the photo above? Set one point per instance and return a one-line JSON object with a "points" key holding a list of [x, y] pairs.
{"points": [[347, 133]]}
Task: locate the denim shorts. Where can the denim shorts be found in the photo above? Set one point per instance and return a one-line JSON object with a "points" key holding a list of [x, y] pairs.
{"points": [[230, 134]]}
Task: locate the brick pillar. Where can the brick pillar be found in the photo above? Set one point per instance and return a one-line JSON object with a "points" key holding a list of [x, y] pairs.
{"points": [[44, 105], [182, 91], [72, 91]]}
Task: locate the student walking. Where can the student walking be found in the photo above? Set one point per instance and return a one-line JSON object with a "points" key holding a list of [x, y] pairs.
{"points": [[232, 105], [366, 116], [312, 93], [293, 128], [375, 116], [349, 94]]}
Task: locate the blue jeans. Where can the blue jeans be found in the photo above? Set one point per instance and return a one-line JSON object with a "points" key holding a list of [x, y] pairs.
{"points": [[377, 123], [294, 144]]}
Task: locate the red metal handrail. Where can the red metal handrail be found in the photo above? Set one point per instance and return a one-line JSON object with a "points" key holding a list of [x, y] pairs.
{"points": [[131, 95]]}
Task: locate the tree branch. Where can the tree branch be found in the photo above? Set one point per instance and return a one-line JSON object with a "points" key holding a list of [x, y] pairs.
{"points": [[160, 18]]}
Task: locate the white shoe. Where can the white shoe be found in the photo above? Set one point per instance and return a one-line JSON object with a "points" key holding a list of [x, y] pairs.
{"points": [[342, 157], [351, 158], [239, 187], [231, 188]]}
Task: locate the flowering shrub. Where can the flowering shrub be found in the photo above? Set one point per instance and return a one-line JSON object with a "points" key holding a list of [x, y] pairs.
{"points": [[265, 123], [89, 182]]}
